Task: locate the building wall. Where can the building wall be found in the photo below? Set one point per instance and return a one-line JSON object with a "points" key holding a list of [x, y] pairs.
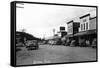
{"points": [[92, 24], [70, 28], [75, 27]]}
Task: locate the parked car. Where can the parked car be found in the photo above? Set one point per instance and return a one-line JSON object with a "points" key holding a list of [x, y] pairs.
{"points": [[68, 42], [73, 42], [32, 45], [20, 44], [18, 49]]}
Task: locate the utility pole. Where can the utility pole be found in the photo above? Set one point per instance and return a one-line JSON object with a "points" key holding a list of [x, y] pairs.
{"points": [[53, 31]]}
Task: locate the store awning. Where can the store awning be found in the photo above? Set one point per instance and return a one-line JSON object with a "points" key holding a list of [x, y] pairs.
{"points": [[86, 33]]}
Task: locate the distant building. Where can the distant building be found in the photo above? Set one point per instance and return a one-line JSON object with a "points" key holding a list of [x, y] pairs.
{"points": [[62, 31], [22, 37], [70, 27], [73, 27], [54, 40]]}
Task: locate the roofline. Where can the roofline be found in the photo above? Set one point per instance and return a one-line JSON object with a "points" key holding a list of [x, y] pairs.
{"points": [[84, 16], [93, 17], [69, 21]]}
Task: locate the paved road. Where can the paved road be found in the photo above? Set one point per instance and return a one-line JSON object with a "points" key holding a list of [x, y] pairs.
{"points": [[55, 54]]}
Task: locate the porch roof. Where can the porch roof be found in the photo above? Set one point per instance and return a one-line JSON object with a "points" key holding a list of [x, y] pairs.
{"points": [[88, 32]]}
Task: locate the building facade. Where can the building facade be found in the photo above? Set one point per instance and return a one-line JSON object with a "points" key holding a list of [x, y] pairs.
{"points": [[82, 33], [84, 23], [62, 31], [72, 29], [87, 30]]}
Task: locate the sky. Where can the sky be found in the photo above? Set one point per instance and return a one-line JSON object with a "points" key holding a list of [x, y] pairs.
{"points": [[40, 20]]}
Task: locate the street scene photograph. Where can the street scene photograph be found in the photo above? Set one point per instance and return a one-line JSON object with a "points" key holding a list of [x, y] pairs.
{"points": [[55, 34]]}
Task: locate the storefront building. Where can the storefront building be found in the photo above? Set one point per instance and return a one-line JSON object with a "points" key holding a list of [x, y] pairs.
{"points": [[72, 29], [87, 31]]}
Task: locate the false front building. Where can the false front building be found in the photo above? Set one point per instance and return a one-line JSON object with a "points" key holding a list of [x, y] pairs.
{"points": [[87, 31], [72, 29]]}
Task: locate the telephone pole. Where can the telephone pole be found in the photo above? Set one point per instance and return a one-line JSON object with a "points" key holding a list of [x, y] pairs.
{"points": [[53, 31]]}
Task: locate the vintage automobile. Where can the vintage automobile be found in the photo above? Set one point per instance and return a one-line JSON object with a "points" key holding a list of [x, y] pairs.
{"points": [[73, 42], [32, 45], [19, 46]]}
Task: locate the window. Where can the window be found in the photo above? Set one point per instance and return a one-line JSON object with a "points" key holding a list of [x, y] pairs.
{"points": [[81, 27], [86, 26]]}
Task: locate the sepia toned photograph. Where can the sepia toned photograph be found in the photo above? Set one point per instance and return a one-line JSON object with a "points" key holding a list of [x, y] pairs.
{"points": [[54, 33]]}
